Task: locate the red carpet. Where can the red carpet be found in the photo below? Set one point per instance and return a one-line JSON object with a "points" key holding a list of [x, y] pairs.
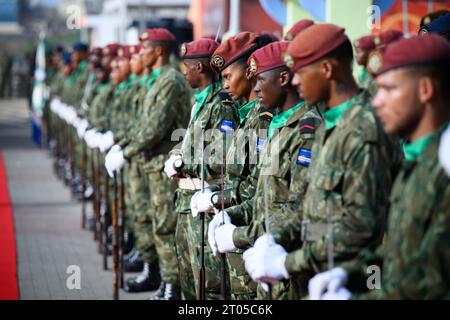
{"points": [[8, 272]]}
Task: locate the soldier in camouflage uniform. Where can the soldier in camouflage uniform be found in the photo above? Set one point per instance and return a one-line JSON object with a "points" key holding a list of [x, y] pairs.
{"points": [[349, 179], [230, 60], [286, 154], [145, 257], [215, 114], [415, 255], [165, 109], [363, 48]]}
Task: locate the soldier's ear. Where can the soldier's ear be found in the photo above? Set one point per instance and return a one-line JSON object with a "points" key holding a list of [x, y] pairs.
{"points": [[248, 73], [327, 68], [200, 67], [285, 78], [159, 50]]}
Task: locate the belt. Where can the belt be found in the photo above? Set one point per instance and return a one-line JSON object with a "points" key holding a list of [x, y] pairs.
{"points": [[313, 231], [195, 183]]}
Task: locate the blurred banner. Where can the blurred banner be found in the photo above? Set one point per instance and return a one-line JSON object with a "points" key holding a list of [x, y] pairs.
{"points": [[39, 91]]}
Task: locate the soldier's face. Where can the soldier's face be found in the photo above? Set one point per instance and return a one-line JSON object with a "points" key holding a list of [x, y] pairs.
{"points": [[236, 81], [148, 54], [191, 72], [115, 75], [311, 83], [361, 56], [397, 103], [124, 67], [136, 64], [268, 89]]}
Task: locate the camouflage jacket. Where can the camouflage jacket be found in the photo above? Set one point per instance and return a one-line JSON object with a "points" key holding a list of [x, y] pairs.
{"points": [[286, 155], [98, 110], [165, 109], [415, 255], [349, 182], [242, 169], [366, 81], [218, 117]]}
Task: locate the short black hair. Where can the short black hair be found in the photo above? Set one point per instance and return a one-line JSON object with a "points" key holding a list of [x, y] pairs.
{"points": [[440, 72], [166, 45], [343, 53]]}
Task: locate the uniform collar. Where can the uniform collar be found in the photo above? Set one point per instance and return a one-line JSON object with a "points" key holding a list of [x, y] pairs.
{"points": [[414, 150], [333, 115], [153, 75], [280, 120], [201, 98], [245, 109]]}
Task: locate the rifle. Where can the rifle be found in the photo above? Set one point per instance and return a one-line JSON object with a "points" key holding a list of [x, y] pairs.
{"points": [[202, 279], [330, 244], [266, 225], [83, 184], [96, 194], [122, 209], [115, 241], [104, 219], [223, 284]]}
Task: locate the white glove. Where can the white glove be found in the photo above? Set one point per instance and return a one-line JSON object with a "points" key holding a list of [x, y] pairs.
{"points": [[109, 159], [224, 238], [116, 162], [89, 137], [81, 129], [341, 294], [115, 148], [444, 150], [201, 202], [97, 139], [331, 280], [265, 261], [169, 168], [107, 141], [215, 223]]}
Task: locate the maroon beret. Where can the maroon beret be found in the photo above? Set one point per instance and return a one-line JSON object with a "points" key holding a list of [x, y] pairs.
{"points": [[388, 36], [417, 50], [312, 44], [268, 57], [366, 43], [157, 34], [297, 28], [111, 49], [232, 49], [202, 48]]}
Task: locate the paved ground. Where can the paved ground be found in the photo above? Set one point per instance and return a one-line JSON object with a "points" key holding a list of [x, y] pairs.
{"points": [[47, 222]]}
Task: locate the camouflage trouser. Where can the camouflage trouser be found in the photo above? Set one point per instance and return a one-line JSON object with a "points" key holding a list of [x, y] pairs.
{"points": [[241, 284], [129, 218], [139, 205], [212, 263], [183, 255], [164, 221]]}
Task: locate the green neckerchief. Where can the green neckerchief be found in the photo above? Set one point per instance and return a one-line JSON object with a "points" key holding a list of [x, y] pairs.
{"points": [[82, 65], [143, 79], [279, 120], [153, 75], [132, 78], [413, 150], [200, 97], [332, 116], [245, 109], [102, 86], [121, 87], [70, 80], [362, 74]]}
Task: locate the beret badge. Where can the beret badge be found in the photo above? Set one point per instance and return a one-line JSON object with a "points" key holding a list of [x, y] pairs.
{"points": [[217, 61], [375, 62], [288, 60], [253, 66]]}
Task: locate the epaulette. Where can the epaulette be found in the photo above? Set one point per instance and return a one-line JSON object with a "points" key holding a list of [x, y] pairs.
{"points": [[225, 97], [308, 125]]}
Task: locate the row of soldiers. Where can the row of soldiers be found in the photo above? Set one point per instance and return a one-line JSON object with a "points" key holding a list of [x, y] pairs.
{"points": [[267, 171]]}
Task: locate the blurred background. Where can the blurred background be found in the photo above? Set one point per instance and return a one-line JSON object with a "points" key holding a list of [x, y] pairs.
{"points": [[100, 22]]}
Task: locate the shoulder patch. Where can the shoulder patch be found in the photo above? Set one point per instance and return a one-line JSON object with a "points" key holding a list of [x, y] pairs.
{"points": [[308, 125], [304, 157], [226, 126]]}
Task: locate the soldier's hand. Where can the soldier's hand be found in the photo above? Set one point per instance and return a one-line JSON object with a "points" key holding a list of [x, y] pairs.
{"points": [[169, 167], [215, 223], [330, 281], [224, 238]]}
